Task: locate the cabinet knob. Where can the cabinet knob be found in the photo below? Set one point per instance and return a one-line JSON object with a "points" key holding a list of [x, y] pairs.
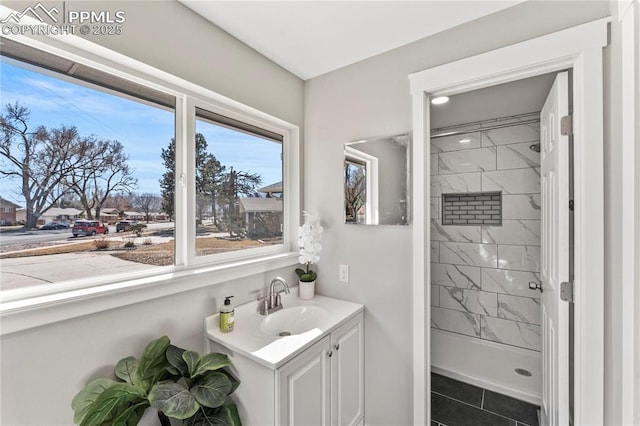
{"points": [[336, 346], [330, 354]]}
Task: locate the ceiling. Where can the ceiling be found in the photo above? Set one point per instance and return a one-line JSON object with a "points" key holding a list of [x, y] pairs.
{"points": [[504, 100], [310, 38]]}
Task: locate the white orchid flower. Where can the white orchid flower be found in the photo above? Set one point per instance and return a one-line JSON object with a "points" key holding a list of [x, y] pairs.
{"points": [[309, 236]]}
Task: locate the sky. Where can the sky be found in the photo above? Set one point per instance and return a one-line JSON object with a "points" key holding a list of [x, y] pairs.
{"points": [[143, 129]]}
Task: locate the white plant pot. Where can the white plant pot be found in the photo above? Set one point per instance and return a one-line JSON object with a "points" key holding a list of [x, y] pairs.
{"points": [[306, 290]]}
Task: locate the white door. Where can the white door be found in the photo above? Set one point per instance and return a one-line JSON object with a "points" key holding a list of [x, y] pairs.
{"points": [[555, 254]]}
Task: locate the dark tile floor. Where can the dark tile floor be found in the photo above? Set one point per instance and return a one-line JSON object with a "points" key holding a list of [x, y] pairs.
{"points": [[455, 403]]}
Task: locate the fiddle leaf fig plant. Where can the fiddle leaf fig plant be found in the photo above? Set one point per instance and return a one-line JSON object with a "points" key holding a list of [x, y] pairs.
{"points": [[179, 384]]}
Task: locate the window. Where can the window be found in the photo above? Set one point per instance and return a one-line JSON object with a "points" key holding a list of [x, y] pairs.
{"points": [[87, 153], [239, 185], [166, 180]]}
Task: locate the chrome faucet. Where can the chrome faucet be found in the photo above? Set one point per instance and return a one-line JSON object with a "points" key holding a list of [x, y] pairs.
{"points": [[272, 302]]}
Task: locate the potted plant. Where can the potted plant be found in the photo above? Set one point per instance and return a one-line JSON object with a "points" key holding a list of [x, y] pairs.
{"points": [[179, 384], [309, 236]]}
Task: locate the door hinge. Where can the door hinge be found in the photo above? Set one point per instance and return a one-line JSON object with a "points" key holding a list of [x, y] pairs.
{"points": [[566, 125], [567, 291]]}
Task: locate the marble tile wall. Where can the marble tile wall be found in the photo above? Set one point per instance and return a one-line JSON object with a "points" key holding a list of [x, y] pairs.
{"points": [[480, 274]]}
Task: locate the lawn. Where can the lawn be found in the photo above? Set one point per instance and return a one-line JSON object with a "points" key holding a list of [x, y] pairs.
{"points": [[58, 249], [162, 254], [155, 254]]}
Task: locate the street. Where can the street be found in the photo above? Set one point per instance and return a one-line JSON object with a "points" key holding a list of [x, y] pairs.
{"points": [[8, 239]]}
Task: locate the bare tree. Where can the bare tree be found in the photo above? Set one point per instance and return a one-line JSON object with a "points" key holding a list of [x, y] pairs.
{"points": [[120, 201], [235, 184], [40, 159], [147, 202], [355, 190], [105, 172]]}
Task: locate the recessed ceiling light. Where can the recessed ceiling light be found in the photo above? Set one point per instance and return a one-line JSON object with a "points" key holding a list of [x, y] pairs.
{"points": [[440, 100], [465, 140]]}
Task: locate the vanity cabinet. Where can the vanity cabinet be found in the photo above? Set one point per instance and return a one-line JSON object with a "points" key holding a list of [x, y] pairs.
{"points": [[324, 384], [321, 384]]}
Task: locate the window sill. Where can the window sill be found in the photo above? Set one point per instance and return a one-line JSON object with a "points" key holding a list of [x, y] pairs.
{"points": [[37, 311]]}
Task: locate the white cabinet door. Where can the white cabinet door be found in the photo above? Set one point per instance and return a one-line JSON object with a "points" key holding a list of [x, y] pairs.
{"points": [[347, 374], [303, 387]]}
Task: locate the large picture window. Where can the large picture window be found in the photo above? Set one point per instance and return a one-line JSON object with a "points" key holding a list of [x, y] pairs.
{"points": [[97, 185], [81, 164]]}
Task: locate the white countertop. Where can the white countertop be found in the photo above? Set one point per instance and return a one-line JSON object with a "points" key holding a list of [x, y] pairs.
{"points": [[273, 351]]}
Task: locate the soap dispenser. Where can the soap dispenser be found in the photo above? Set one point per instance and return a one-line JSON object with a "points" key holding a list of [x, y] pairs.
{"points": [[227, 316]]}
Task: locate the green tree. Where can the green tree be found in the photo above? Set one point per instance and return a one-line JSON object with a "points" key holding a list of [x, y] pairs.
{"points": [[168, 180], [207, 172], [212, 177], [201, 159]]}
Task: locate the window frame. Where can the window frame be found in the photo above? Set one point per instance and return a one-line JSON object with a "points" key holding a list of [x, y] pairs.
{"points": [[30, 307], [191, 258]]}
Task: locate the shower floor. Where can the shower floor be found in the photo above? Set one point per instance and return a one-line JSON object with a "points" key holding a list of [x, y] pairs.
{"points": [[487, 365], [454, 403]]}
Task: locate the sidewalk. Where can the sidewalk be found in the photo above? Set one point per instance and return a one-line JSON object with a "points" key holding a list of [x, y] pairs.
{"points": [[39, 270]]}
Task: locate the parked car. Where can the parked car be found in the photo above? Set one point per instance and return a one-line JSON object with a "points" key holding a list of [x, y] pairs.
{"points": [[125, 225], [89, 227], [54, 225]]}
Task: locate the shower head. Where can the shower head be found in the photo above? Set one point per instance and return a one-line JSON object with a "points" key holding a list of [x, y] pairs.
{"points": [[535, 147]]}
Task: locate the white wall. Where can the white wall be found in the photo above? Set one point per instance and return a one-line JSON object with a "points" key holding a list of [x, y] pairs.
{"points": [[371, 98], [43, 368], [171, 37]]}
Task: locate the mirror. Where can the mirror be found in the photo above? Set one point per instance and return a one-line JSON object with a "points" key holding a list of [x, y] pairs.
{"points": [[376, 181]]}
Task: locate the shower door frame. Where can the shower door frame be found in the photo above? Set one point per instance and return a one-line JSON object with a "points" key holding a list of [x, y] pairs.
{"points": [[579, 48]]}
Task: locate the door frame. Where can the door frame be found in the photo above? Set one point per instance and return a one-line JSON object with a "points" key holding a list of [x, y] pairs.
{"points": [[579, 48], [628, 14]]}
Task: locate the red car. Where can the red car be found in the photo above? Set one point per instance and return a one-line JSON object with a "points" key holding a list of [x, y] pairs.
{"points": [[89, 227]]}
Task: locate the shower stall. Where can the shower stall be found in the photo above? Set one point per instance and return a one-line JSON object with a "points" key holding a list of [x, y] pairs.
{"points": [[485, 254]]}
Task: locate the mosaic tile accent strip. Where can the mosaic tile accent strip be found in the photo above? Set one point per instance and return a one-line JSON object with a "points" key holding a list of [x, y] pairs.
{"points": [[480, 208]]}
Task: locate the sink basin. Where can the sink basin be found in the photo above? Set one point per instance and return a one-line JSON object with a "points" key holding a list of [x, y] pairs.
{"points": [[261, 338], [293, 320]]}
